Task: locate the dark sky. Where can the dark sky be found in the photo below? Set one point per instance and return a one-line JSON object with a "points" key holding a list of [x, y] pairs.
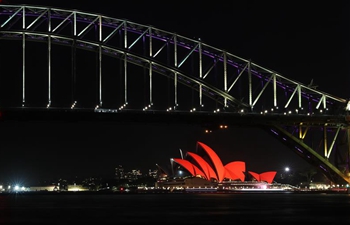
{"points": [[300, 41]]}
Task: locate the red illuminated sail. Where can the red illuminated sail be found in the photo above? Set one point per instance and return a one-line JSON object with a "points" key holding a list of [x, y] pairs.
{"points": [[194, 170], [266, 176], [219, 168], [206, 168], [236, 170]]}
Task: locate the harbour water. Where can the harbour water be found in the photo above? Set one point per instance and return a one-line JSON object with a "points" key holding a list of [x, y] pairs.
{"points": [[175, 208]]}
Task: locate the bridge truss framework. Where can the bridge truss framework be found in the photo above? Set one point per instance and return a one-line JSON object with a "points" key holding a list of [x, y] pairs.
{"points": [[116, 69]]}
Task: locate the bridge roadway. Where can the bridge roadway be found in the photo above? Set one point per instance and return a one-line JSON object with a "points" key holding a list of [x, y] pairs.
{"points": [[177, 117]]}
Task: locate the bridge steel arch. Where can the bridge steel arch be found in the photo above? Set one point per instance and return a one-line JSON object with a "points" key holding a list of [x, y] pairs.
{"points": [[163, 76]]}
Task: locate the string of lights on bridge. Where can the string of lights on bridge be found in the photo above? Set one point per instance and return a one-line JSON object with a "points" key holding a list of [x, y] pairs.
{"points": [[99, 109]]}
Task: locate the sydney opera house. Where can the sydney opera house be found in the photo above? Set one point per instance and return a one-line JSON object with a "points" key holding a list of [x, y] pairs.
{"points": [[204, 169]]}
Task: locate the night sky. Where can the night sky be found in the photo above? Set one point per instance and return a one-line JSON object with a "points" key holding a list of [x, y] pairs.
{"points": [[300, 41]]}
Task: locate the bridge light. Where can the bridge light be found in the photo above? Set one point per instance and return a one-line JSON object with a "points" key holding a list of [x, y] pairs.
{"points": [[223, 126], [73, 105]]}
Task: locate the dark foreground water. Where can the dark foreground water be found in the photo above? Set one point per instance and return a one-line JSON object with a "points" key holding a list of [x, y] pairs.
{"points": [[261, 208]]}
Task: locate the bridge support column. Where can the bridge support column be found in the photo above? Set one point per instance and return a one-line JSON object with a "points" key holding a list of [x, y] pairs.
{"points": [[348, 152]]}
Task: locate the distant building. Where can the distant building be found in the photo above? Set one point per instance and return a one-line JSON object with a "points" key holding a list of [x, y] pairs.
{"points": [[153, 173], [76, 187], [43, 188], [133, 175], [119, 173]]}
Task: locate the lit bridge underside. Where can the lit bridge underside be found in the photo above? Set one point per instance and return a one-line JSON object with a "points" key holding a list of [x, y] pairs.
{"points": [[73, 65]]}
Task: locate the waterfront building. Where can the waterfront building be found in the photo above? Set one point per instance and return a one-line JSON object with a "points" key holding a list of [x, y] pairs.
{"points": [[76, 187], [204, 169], [43, 188]]}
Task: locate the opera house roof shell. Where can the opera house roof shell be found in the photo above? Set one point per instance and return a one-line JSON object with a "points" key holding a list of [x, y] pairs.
{"points": [[210, 167]]}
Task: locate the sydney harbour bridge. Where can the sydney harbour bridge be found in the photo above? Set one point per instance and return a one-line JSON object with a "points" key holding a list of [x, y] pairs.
{"points": [[73, 65]]}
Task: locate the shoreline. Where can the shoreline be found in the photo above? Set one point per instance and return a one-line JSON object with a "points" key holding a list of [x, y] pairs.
{"points": [[172, 192]]}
